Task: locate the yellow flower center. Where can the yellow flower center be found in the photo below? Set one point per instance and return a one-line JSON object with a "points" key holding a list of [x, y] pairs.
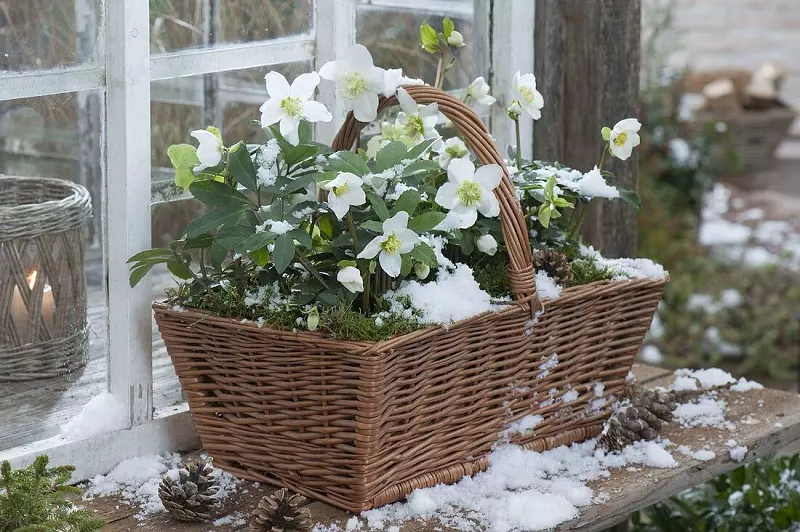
{"points": [[391, 244], [352, 86], [292, 106], [527, 94], [341, 189], [469, 193], [621, 139], [455, 151], [413, 127]]}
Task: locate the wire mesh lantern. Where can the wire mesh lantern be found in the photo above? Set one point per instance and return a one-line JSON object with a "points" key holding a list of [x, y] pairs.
{"points": [[43, 327]]}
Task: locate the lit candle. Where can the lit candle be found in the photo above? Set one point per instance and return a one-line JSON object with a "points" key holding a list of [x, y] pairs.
{"points": [[19, 312]]}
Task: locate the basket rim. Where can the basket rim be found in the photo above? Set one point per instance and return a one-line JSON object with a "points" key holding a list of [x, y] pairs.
{"points": [[75, 195], [567, 295]]}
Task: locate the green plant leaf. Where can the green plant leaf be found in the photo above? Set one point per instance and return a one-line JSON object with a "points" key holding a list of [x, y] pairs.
{"points": [[302, 152], [199, 242], [254, 242], [302, 237], [283, 254], [260, 256], [428, 38], [184, 177], [544, 214], [183, 156], [406, 264], [420, 167], [215, 131], [232, 235], [179, 269], [217, 194], [372, 225], [423, 253], [214, 219], [218, 254], [138, 273], [378, 205], [296, 184], [242, 168], [327, 224], [345, 161], [630, 197], [447, 27], [304, 132], [426, 221], [390, 155], [151, 254], [407, 202], [418, 149]]}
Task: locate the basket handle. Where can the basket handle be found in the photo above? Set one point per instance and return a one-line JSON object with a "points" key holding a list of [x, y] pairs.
{"points": [[472, 128]]}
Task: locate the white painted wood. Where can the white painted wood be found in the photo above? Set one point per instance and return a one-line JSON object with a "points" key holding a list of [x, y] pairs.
{"points": [[234, 57], [335, 21], [451, 8], [512, 23], [128, 205], [172, 431], [35, 83]]}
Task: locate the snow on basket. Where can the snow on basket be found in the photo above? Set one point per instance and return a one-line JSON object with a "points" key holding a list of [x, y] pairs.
{"points": [[361, 424]]}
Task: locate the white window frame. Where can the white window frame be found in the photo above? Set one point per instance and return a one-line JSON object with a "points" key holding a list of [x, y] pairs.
{"points": [[125, 70]]}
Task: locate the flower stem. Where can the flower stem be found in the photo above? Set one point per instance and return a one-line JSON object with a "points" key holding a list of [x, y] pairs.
{"points": [[365, 296], [440, 69], [310, 267], [352, 228], [519, 143], [574, 231], [602, 158]]}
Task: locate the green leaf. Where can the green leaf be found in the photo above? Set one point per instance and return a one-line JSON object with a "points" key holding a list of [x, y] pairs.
{"points": [[345, 161], [215, 131], [283, 254], [242, 168], [217, 194], [183, 156], [255, 242], [184, 177], [372, 225], [428, 38], [260, 256], [138, 273], [231, 235], [423, 253], [324, 177], [406, 264], [214, 219], [296, 184], [544, 214], [426, 221], [304, 132], [390, 155], [218, 254], [327, 224], [199, 242], [407, 202], [179, 269], [302, 237], [342, 241], [630, 197], [151, 254], [419, 167], [300, 153], [378, 205], [448, 26], [416, 151]]}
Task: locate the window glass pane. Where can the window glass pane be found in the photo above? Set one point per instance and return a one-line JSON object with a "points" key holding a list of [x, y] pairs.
{"points": [[59, 137], [39, 34], [179, 24], [396, 45], [227, 100]]}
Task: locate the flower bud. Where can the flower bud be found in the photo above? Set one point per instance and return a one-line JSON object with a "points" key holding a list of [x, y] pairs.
{"points": [[313, 319], [606, 133], [456, 39], [487, 244], [422, 270]]}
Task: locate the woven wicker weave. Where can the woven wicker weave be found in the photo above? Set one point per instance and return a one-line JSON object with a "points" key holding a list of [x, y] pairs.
{"points": [[360, 424], [754, 135], [41, 224]]}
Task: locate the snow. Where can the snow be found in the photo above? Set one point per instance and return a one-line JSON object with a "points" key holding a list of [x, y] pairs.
{"points": [[352, 524], [738, 453], [705, 411], [546, 287], [707, 378], [703, 455], [569, 396], [453, 296], [521, 489], [524, 426], [102, 413], [656, 331], [744, 385], [651, 354], [136, 481], [625, 268], [236, 519], [682, 384], [548, 364], [599, 388], [593, 185], [721, 232]]}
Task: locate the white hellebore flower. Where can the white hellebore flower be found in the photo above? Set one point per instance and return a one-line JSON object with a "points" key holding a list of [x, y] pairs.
{"points": [[624, 138], [397, 239], [487, 244], [209, 153], [468, 191], [526, 96], [343, 191], [394, 78], [288, 104], [358, 80], [453, 148], [478, 91], [456, 39], [351, 279], [418, 123]]}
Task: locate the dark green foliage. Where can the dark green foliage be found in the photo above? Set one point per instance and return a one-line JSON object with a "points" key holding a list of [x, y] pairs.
{"points": [[762, 496], [33, 499], [491, 273]]}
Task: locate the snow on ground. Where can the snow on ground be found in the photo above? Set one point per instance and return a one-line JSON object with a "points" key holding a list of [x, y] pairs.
{"points": [[102, 414]]}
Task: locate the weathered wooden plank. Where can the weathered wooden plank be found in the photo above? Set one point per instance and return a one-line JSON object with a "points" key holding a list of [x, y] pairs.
{"points": [[628, 490], [587, 68]]}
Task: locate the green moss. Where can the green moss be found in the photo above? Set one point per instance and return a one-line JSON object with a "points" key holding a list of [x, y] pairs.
{"points": [[491, 273], [585, 271]]}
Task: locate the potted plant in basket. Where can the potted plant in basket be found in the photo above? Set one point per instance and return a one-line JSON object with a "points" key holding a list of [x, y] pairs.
{"points": [[355, 324]]}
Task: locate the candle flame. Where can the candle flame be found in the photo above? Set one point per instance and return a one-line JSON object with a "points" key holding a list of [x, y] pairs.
{"points": [[32, 278]]}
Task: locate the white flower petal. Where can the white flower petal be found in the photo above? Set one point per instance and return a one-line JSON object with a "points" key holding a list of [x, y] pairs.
{"points": [[354, 196], [338, 205], [303, 85], [459, 170], [629, 124], [396, 223], [332, 70], [407, 103], [277, 86], [489, 206], [447, 193], [358, 58], [467, 215], [316, 112], [289, 130], [408, 239], [209, 152], [365, 108], [373, 248], [391, 263], [271, 112], [489, 176]]}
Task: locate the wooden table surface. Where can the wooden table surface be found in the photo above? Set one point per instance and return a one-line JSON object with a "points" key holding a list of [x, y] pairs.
{"points": [[755, 414]]}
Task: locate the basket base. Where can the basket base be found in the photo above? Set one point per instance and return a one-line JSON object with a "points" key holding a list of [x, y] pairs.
{"points": [[44, 360]]}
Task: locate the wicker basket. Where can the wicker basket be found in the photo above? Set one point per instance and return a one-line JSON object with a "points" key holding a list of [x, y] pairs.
{"points": [[754, 135], [42, 289], [360, 424]]}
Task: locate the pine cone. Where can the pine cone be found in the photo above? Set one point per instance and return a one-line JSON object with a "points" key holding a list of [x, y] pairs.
{"points": [[190, 498], [281, 512], [555, 264], [641, 420]]}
